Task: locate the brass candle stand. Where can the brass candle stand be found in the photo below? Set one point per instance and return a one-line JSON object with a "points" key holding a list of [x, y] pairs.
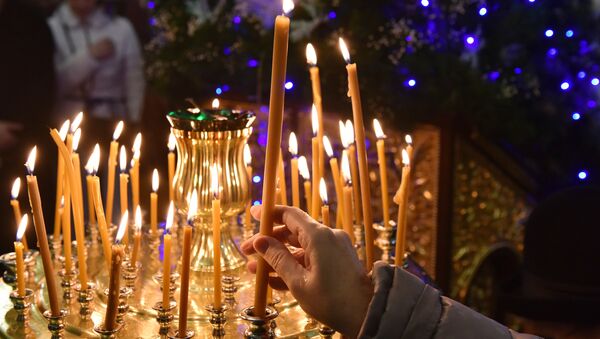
{"points": [[164, 316], [123, 308], [107, 334], [85, 296], [217, 320], [229, 288], [22, 305], [158, 278], [129, 273], [259, 327], [189, 334], [56, 324], [386, 239], [68, 280]]}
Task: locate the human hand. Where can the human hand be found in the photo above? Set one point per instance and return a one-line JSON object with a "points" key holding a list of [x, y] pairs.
{"points": [[322, 272], [102, 49], [8, 131]]}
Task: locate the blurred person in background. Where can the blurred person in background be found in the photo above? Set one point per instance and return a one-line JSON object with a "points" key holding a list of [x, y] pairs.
{"points": [[27, 92]]}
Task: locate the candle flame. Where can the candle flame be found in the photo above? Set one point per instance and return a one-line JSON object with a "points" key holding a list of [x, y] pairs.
{"points": [[327, 146], [193, 205], [314, 118], [137, 145], [16, 187], [214, 180], [76, 138], [64, 129], [123, 158], [76, 122], [22, 226], [343, 137], [94, 161], [122, 227], [311, 55], [155, 180], [288, 6], [405, 159], [346, 168], [344, 49], [216, 103], [30, 164], [170, 217], [247, 155], [293, 144], [138, 219], [323, 191], [350, 131], [118, 130], [408, 139], [303, 168], [62, 201], [171, 143], [378, 130]]}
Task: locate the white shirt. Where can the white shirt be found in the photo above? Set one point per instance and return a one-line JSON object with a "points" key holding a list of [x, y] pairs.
{"points": [[113, 87]]}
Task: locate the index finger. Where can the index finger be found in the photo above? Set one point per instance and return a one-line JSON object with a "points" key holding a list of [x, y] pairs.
{"points": [[297, 221]]}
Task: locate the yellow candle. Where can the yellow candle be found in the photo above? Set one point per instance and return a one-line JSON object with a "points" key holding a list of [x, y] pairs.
{"points": [[16, 207], [171, 165], [347, 200], [185, 278], [315, 80], [154, 203], [216, 223], [90, 197], [280, 50], [325, 206], [355, 183], [66, 225], [167, 256], [409, 147], [303, 169], [135, 170], [293, 148], [19, 254], [316, 201], [112, 164], [77, 212], [401, 199], [123, 180], [78, 190], [60, 174], [385, 199], [110, 318], [281, 178], [92, 168], [248, 161], [40, 231], [359, 131], [337, 182]]}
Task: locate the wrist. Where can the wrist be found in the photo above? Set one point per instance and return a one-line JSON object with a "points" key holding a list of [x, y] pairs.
{"points": [[361, 307]]}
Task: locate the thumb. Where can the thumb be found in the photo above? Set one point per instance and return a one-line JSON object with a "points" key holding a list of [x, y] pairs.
{"points": [[281, 260]]}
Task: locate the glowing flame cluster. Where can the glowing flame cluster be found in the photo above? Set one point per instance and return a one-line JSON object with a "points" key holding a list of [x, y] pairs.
{"points": [[30, 164], [288, 6], [76, 122], [346, 168], [118, 130], [293, 144], [215, 103], [314, 118], [303, 168], [378, 130], [155, 180], [170, 217], [344, 50], [327, 146], [405, 158], [22, 226], [122, 227], [172, 142], [138, 219], [123, 158], [16, 187], [76, 139], [137, 145], [64, 129], [323, 191], [311, 55], [346, 133], [94, 161]]}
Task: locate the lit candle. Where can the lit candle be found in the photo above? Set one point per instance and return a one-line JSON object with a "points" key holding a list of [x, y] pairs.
{"points": [[77, 199], [316, 201], [134, 172], [19, 253], [293, 148], [14, 202], [216, 223], [347, 192], [112, 164], [90, 196], [92, 168], [315, 80], [337, 182], [137, 235], [385, 199], [40, 231], [280, 49], [324, 206], [185, 264], [347, 137], [281, 178], [77, 169], [360, 141], [303, 168], [112, 305], [248, 162], [154, 203], [60, 174], [167, 256], [123, 180], [409, 146], [401, 198], [66, 227], [76, 208], [171, 165]]}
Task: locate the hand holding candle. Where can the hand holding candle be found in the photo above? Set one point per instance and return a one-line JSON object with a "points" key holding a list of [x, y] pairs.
{"points": [[19, 256], [154, 203], [112, 164], [110, 318], [385, 199]]}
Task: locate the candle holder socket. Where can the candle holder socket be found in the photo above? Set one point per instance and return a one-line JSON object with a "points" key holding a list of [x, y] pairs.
{"points": [[56, 324], [326, 332], [129, 273], [173, 284], [259, 327], [9, 261], [55, 246], [217, 320], [164, 316], [123, 308], [230, 288], [386, 239], [67, 281], [22, 305], [85, 296], [107, 334], [30, 259], [176, 335]]}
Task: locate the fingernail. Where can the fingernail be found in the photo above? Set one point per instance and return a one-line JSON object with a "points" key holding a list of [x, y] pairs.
{"points": [[261, 245]]}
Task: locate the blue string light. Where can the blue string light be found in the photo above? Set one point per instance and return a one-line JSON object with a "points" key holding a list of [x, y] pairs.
{"points": [[256, 202], [482, 11], [289, 85], [256, 179], [252, 63], [569, 33], [218, 91], [549, 33], [581, 75], [595, 81], [565, 85], [411, 83], [424, 3], [582, 175], [576, 116]]}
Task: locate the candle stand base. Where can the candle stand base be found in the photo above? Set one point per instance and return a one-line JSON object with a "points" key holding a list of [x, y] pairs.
{"points": [[9, 260], [56, 325], [176, 335], [129, 273], [386, 237], [164, 316], [30, 260], [259, 328], [172, 286], [67, 282], [326, 332], [22, 305], [107, 334], [55, 246], [123, 308], [85, 296], [229, 288], [217, 320]]}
